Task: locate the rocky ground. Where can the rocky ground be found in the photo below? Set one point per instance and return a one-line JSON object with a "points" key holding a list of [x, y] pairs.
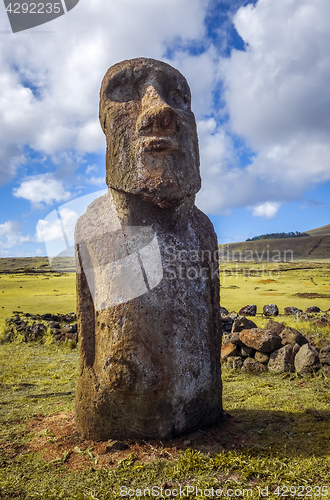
{"points": [[35, 326], [276, 347]]}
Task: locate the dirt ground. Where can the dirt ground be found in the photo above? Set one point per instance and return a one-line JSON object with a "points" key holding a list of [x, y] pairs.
{"points": [[57, 438]]}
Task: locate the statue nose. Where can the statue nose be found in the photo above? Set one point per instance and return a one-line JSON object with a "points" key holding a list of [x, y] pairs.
{"points": [[157, 117]]}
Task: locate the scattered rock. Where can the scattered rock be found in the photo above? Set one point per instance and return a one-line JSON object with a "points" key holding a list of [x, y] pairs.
{"points": [[281, 360], [303, 316], [270, 310], [242, 323], [291, 311], [325, 355], [292, 336], [233, 338], [326, 370], [46, 316], [228, 350], [313, 309], [54, 324], [250, 310], [322, 322], [274, 327], [35, 331], [253, 366], [71, 328], [227, 323], [246, 351], [261, 340], [261, 357], [235, 362], [307, 360], [296, 348]]}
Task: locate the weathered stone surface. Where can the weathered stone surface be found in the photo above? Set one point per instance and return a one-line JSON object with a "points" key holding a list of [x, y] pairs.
{"points": [[234, 338], [281, 361], [148, 285], [246, 351], [307, 360], [325, 355], [228, 350], [223, 311], [288, 311], [235, 362], [250, 310], [242, 323], [261, 357], [227, 323], [274, 327], [270, 310], [326, 370], [313, 309], [71, 328], [296, 349], [261, 340], [292, 336], [253, 366], [322, 322]]}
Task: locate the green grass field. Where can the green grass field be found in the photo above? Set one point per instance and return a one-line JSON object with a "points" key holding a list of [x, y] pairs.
{"points": [[298, 284], [277, 432], [37, 293]]}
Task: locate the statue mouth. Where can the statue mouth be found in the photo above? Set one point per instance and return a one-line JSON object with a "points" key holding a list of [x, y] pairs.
{"points": [[159, 145]]}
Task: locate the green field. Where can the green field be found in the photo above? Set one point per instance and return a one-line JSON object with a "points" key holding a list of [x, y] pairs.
{"points": [[30, 285], [298, 284], [276, 433]]}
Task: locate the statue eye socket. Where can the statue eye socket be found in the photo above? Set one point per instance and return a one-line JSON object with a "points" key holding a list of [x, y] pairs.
{"points": [[179, 99], [121, 92], [124, 87]]}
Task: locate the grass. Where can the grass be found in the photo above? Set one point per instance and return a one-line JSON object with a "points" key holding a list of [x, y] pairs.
{"points": [[37, 293], [266, 283], [276, 433]]}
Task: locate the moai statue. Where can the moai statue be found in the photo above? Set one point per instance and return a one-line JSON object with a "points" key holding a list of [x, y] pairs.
{"points": [[148, 280]]}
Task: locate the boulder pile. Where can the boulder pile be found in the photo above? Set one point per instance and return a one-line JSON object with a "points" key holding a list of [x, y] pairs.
{"points": [[277, 348], [34, 326]]}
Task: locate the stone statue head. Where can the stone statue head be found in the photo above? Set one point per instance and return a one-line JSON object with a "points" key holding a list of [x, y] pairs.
{"points": [[152, 144]]}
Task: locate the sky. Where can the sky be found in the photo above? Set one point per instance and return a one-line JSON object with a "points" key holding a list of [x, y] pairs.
{"points": [[259, 73]]}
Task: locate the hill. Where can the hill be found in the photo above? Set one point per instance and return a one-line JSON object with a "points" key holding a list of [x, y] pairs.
{"points": [[315, 246], [320, 231]]}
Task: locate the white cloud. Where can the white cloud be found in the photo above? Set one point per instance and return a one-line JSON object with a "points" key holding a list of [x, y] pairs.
{"points": [[42, 189], [50, 81], [266, 210], [277, 94], [91, 168], [97, 181], [10, 234]]}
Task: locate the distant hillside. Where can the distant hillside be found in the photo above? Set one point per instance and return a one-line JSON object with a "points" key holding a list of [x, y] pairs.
{"points": [[32, 265], [320, 231], [315, 246]]}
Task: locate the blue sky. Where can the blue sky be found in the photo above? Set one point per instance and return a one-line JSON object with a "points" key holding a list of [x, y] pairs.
{"points": [[259, 75]]}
